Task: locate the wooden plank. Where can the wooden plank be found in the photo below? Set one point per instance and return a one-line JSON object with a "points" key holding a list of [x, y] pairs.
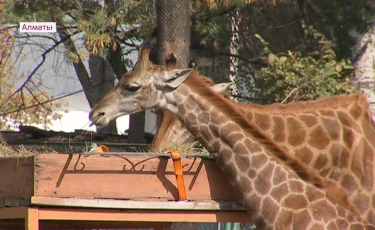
{"points": [[12, 224], [14, 202], [18, 170], [141, 215], [128, 204], [135, 178], [13, 213], [52, 224], [32, 219]]}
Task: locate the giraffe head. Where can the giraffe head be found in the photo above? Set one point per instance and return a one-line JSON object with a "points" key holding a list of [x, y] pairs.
{"points": [[172, 130], [140, 89]]}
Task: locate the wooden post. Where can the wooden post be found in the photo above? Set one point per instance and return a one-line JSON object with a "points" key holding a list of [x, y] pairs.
{"points": [[32, 219]]}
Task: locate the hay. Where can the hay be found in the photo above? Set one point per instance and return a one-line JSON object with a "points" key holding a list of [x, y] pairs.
{"points": [[8, 151], [194, 147]]}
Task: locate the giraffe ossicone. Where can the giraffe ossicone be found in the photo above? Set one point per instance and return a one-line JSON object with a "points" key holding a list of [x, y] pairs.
{"points": [[277, 190]]}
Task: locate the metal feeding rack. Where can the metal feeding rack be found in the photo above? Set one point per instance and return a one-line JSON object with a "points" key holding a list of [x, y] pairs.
{"points": [[113, 190]]}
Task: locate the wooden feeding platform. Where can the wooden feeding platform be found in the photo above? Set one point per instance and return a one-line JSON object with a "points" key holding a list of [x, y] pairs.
{"points": [[112, 190]]}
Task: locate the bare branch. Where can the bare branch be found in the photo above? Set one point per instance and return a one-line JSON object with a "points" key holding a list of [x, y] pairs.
{"points": [[130, 11], [38, 66], [54, 99], [39, 103]]}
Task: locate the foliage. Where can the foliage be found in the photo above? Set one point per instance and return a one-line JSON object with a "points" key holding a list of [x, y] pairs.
{"points": [[26, 11], [306, 71], [105, 29], [24, 107], [291, 76]]}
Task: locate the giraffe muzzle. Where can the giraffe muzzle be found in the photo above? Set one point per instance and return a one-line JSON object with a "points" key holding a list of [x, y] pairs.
{"points": [[97, 118]]}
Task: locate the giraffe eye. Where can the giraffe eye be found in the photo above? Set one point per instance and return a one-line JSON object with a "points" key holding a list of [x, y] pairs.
{"points": [[132, 87]]}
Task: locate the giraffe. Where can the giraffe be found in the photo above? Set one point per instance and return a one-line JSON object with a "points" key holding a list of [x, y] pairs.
{"points": [[277, 190], [334, 136], [171, 130]]}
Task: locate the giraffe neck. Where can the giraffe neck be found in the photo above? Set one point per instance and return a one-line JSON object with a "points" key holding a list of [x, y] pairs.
{"points": [[274, 186], [333, 136]]}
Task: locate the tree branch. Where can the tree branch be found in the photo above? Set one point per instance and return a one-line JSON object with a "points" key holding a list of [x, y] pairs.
{"points": [[38, 66]]}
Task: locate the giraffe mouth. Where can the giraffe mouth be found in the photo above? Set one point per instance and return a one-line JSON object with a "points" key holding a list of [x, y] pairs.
{"points": [[98, 119]]}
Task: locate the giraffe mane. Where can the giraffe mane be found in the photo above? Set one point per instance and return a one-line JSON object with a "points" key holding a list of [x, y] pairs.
{"points": [[167, 118], [302, 106], [229, 109]]}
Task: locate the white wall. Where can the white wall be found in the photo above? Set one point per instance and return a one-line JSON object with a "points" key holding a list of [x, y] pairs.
{"points": [[58, 77]]}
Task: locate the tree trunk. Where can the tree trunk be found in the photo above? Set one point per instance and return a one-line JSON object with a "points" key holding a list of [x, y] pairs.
{"points": [[242, 79], [173, 36], [173, 21], [173, 30], [101, 79], [364, 63], [136, 133]]}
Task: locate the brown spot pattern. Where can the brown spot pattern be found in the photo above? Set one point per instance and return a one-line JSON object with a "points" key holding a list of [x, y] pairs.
{"points": [[327, 113], [318, 138], [284, 220], [236, 136], [304, 154], [332, 226], [278, 130], [227, 129], [267, 172], [349, 137], [301, 220], [262, 185], [258, 161], [361, 202], [243, 162], [297, 134], [279, 192], [356, 112], [356, 227], [368, 166], [279, 176], [309, 120], [270, 209], [347, 121], [342, 224], [317, 226], [321, 162], [312, 195], [252, 173], [204, 118], [252, 146], [206, 133], [245, 184], [295, 201], [333, 128], [263, 121], [240, 148], [323, 211], [296, 186], [349, 183]]}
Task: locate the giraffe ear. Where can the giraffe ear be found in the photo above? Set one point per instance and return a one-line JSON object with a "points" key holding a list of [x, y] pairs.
{"points": [[174, 78], [221, 87]]}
